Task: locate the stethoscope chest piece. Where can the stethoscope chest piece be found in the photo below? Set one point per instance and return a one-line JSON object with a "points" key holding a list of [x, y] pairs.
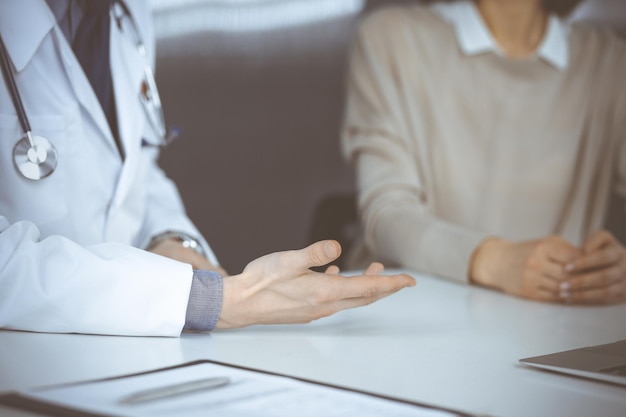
{"points": [[35, 157]]}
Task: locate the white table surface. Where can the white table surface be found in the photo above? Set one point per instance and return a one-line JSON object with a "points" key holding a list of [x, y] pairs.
{"points": [[438, 343]]}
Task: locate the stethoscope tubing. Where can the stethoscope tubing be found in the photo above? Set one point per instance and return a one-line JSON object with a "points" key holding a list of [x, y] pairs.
{"points": [[157, 121], [14, 92], [135, 29]]}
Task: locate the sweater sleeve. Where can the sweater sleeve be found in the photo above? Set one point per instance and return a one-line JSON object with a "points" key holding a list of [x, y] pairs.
{"points": [[400, 224], [621, 148], [618, 119]]}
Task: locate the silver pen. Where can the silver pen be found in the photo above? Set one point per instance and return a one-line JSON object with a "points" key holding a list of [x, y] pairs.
{"points": [[174, 390]]}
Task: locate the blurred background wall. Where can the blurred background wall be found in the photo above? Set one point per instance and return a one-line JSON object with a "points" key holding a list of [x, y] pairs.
{"points": [[257, 87]]}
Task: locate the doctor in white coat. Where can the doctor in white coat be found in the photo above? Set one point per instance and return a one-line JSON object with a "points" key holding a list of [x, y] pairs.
{"points": [[72, 244]]}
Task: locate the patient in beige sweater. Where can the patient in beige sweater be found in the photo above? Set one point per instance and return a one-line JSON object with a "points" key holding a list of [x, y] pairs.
{"points": [[487, 138]]}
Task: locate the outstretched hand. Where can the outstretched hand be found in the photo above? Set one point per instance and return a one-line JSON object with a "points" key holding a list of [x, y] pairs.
{"points": [[281, 288]]}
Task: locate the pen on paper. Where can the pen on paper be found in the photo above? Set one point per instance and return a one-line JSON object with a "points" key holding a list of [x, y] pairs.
{"points": [[174, 390]]}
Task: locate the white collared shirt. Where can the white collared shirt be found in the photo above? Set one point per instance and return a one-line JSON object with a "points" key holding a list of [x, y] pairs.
{"points": [[474, 36]]}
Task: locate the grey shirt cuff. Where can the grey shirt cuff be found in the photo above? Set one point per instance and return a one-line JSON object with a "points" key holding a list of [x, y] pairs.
{"points": [[205, 301]]}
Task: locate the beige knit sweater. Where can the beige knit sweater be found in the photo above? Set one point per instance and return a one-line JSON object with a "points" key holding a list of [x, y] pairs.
{"points": [[450, 149]]}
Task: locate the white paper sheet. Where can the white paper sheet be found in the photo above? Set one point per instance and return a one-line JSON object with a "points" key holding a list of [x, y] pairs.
{"points": [[248, 394]]}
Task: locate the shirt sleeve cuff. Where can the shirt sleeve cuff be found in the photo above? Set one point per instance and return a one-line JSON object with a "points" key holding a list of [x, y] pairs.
{"points": [[205, 301]]}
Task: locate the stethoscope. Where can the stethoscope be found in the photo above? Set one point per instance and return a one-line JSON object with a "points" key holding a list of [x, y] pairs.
{"points": [[35, 157]]}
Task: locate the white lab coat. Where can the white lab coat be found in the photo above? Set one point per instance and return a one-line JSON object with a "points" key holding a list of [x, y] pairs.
{"points": [[68, 243]]}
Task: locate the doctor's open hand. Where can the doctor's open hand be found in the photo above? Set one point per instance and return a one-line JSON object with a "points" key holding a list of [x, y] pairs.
{"points": [[599, 275], [281, 288]]}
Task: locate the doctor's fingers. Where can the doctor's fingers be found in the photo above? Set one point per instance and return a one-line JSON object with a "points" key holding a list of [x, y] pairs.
{"points": [[374, 268], [364, 286], [299, 261], [347, 303], [174, 249], [332, 270], [200, 262]]}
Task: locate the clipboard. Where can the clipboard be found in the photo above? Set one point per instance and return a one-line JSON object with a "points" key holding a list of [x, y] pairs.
{"points": [[42, 400]]}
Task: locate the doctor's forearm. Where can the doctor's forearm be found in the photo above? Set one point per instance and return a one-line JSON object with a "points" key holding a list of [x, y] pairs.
{"points": [[205, 301]]}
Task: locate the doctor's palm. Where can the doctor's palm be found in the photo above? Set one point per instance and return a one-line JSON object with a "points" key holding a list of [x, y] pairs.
{"points": [[281, 288]]}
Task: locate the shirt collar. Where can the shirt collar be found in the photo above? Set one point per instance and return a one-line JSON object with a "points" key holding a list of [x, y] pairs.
{"points": [[23, 25], [474, 37], [555, 46]]}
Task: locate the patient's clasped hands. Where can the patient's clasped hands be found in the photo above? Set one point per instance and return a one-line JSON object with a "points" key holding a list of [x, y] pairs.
{"points": [[551, 269]]}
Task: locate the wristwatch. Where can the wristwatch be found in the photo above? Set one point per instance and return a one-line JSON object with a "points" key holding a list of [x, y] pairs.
{"points": [[184, 239]]}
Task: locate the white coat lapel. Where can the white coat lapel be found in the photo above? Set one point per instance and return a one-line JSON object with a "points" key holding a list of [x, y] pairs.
{"points": [[83, 89], [127, 69], [23, 28]]}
